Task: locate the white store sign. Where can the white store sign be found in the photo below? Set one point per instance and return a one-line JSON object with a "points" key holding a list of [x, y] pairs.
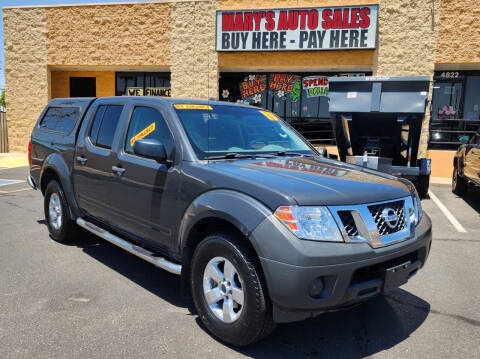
{"points": [[309, 29]]}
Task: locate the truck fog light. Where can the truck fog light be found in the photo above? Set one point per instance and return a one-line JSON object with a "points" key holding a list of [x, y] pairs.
{"points": [[316, 287]]}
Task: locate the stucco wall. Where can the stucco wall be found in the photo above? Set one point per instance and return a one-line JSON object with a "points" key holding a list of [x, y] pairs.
{"points": [[194, 61], [130, 34], [459, 32], [26, 72], [60, 82], [407, 35]]}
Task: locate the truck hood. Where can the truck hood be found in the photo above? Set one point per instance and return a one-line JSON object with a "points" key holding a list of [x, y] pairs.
{"points": [[310, 181]]}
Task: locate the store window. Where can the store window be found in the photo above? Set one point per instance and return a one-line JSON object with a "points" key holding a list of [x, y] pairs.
{"points": [[472, 98], [142, 84], [300, 99], [83, 87], [455, 108]]}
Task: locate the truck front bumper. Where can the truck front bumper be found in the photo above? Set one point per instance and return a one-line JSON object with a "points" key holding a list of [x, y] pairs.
{"points": [[316, 277]]}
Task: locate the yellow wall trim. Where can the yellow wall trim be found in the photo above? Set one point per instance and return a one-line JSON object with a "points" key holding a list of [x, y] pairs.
{"points": [[293, 59], [60, 82], [442, 162]]}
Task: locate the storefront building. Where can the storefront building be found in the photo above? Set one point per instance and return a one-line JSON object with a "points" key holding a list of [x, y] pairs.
{"points": [[274, 54]]}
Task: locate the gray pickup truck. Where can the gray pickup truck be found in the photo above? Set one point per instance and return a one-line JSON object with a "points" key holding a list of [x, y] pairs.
{"points": [[260, 227]]}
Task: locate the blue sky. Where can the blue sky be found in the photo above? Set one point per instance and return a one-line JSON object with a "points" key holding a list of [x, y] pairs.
{"points": [[37, 2]]}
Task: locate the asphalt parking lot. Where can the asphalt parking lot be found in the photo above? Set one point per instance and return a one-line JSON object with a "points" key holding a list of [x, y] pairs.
{"points": [[91, 299]]}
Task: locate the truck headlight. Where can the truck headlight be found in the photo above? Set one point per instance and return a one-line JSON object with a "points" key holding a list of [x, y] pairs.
{"points": [[313, 223], [417, 204]]}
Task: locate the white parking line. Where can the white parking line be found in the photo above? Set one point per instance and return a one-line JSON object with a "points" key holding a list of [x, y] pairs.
{"points": [[6, 182], [447, 213]]}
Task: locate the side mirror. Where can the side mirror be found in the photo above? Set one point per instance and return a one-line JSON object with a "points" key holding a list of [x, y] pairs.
{"points": [[464, 139], [150, 148]]}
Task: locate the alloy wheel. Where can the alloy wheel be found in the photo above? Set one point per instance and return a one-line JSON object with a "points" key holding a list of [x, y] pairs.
{"points": [[223, 289], [55, 211], [455, 178]]}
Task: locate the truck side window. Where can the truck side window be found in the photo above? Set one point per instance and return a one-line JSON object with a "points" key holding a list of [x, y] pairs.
{"points": [[96, 123], [108, 126], [147, 122], [60, 119]]}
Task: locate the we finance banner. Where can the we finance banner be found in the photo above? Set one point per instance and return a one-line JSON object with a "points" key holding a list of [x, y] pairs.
{"points": [[309, 29]]}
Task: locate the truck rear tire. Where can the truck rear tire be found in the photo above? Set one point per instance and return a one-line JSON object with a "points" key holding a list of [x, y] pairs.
{"points": [[459, 183], [423, 185], [57, 214], [228, 290]]}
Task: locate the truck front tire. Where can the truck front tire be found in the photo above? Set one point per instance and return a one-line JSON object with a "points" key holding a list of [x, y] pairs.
{"points": [[228, 290], [57, 214]]}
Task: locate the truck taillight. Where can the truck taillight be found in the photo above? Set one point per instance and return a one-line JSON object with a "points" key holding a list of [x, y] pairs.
{"points": [[30, 153]]}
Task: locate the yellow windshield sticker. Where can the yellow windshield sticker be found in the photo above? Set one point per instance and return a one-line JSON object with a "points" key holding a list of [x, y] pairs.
{"points": [[143, 133], [270, 116], [192, 106]]}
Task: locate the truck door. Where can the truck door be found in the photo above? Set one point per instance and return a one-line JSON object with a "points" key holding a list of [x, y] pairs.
{"points": [[472, 159], [146, 190], [92, 175]]}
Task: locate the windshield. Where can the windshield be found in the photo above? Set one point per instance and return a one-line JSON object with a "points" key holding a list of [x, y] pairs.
{"points": [[216, 130]]}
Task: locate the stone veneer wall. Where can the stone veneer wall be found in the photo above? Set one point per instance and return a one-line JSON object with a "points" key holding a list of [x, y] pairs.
{"points": [[113, 35], [459, 32], [194, 61], [26, 72], [407, 39]]}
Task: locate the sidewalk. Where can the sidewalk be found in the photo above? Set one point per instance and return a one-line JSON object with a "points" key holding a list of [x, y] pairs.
{"points": [[13, 160]]}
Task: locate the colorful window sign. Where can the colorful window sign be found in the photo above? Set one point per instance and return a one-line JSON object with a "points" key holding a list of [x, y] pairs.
{"points": [[316, 86], [253, 85], [326, 28], [285, 84]]}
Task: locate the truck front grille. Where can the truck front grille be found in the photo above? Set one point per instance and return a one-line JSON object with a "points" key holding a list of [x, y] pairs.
{"points": [[383, 227], [348, 223], [377, 223]]}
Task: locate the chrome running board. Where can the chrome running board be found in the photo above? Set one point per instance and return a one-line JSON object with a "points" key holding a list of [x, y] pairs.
{"points": [[132, 248]]}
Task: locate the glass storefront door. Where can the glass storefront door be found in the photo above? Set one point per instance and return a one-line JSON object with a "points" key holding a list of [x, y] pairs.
{"points": [[455, 108]]}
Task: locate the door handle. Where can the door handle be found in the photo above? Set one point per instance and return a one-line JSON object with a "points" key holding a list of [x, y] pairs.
{"points": [[118, 170], [82, 160]]}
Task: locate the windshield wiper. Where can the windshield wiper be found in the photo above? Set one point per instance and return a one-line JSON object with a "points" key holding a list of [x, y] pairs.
{"points": [[286, 153], [233, 155], [227, 156]]}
